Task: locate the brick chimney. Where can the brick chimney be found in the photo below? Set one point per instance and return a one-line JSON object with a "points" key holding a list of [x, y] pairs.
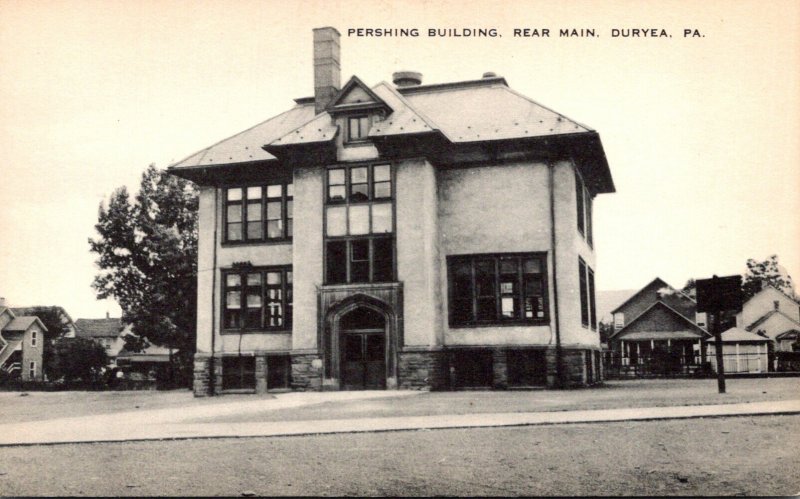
{"points": [[327, 78]]}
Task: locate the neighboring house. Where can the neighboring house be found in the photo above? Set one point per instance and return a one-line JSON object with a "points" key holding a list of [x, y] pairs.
{"points": [[788, 341], [398, 236], [742, 351], [107, 332], [21, 340], [773, 313], [657, 331]]}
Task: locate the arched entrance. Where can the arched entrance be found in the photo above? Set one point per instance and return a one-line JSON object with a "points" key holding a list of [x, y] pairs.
{"points": [[362, 340]]}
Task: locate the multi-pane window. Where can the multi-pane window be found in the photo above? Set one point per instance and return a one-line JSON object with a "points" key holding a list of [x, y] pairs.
{"points": [[490, 289], [357, 128], [359, 225], [587, 292], [258, 298], [33, 338], [258, 212], [32, 369], [584, 208], [238, 373]]}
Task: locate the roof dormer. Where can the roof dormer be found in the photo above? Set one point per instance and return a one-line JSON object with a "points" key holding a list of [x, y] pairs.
{"points": [[356, 97]]}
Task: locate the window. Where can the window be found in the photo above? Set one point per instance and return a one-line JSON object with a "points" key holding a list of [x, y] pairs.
{"points": [[584, 209], [32, 369], [619, 321], [492, 289], [257, 299], [33, 338], [357, 128], [238, 373], [776, 305], [359, 223], [258, 212], [588, 303]]}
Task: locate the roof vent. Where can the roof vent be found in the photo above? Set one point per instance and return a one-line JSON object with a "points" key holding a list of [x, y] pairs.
{"points": [[406, 78], [490, 74]]}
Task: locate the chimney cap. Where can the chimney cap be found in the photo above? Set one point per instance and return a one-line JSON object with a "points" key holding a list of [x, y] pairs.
{"points": [[327, 28], [406, 78], [490, 74]]}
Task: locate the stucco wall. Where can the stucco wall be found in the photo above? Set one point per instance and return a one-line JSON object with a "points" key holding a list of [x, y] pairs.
{"points": [[418, 253], [493, 209], [307, 253], [205, 269]]}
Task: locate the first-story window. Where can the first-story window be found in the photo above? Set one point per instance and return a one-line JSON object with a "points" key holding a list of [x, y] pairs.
{"points": [[238, 373], [490, 289], [258, 298], [32, 369], [359, 260], [587, 293]]}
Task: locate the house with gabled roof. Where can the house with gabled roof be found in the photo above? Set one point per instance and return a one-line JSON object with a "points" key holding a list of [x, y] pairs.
{"points": [[21, 350], [772, 313], [656, 331], [399, 235]]}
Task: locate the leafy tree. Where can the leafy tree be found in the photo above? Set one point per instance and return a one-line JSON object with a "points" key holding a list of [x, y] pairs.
{"points": [[690, 288], [766, 273], [78, 359], [606, 330], [147, 256]]}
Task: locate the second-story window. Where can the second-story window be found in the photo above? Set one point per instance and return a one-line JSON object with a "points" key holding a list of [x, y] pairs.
{"points": [[359, 225], [587, 294], [357, 128], [584, 209], [33, 338], [258, 213]]}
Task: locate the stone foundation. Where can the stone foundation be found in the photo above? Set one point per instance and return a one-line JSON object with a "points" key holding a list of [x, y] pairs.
{"points": [[423, 371], [306, 376], [202, 375]]}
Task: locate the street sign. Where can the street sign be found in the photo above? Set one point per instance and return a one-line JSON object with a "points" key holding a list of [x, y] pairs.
{"points": [[719, 293]]}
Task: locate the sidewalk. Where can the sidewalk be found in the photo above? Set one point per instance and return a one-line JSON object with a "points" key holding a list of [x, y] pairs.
{"points": [[172, 424]]}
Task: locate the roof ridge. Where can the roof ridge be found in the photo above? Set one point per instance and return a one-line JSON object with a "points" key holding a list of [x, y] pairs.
{"points": [[634, 295], [436, 87], [424, 117]]}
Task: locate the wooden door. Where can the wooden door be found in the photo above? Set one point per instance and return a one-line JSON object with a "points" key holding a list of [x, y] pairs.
{"points": [[363, 360]]}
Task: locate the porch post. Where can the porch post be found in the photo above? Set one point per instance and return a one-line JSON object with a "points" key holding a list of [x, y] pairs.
{"points": [[758, 354], [738, 369]]}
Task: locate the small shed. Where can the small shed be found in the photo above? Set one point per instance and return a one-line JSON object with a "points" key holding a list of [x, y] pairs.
{"points": [[742, 351]]}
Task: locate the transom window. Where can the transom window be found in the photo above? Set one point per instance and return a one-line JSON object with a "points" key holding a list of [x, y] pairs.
{"points": [[359, 225], [491, 289], [258, 298], [357, 128], [259, 212]]}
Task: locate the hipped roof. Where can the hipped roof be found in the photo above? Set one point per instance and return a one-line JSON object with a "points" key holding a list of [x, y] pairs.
{"points": [[463, 112]]}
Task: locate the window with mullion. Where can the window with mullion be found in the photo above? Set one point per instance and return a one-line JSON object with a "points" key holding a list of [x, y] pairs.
{"points": [[492, 289], [257, 299], [359, 260], [258, 212]]}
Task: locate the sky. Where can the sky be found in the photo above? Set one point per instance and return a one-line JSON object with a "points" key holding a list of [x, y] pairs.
{"points": [[702, 134]]}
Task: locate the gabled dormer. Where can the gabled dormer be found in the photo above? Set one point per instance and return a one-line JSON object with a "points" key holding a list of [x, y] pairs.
{"points": [[357, 108]]}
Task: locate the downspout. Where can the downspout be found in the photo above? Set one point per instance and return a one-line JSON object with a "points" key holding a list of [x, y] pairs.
{"points": [[211, 370], [556, 322]]}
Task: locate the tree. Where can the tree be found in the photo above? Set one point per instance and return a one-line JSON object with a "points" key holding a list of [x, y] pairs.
{"points": [[147, 256], [78, 359], [766, 273], [690, 288]]}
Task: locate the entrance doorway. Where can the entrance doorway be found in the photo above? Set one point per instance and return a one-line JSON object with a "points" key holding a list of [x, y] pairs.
{"points": [[363, 350]]}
